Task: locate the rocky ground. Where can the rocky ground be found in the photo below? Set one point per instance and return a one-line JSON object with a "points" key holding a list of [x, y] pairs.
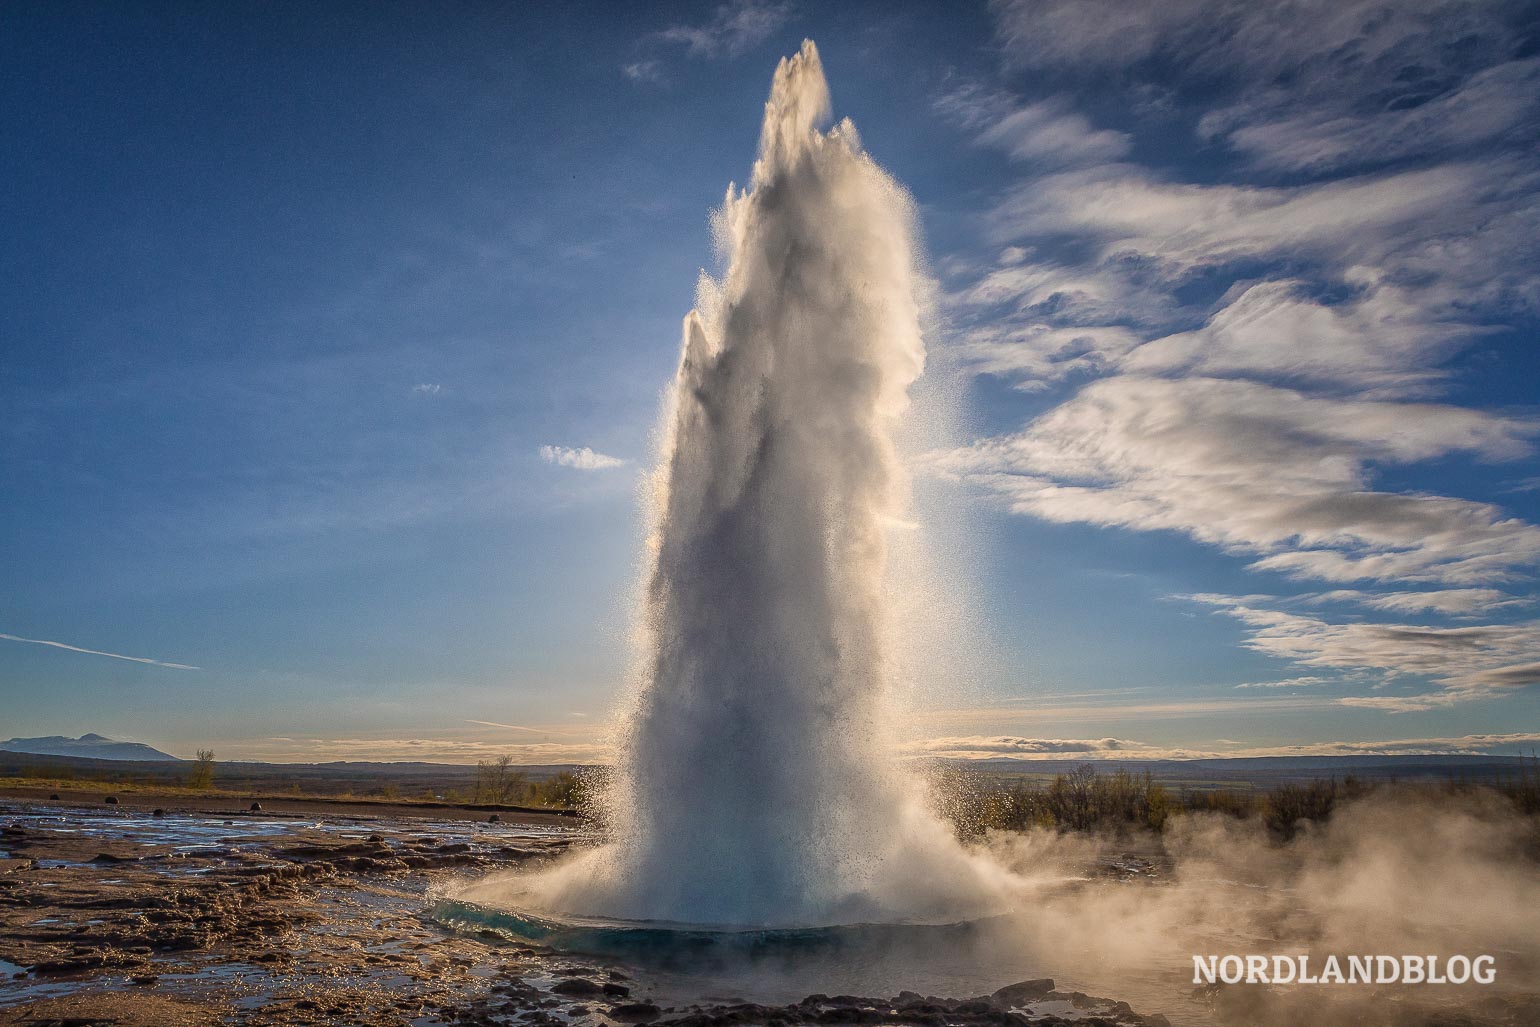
{"points": [[223, 917]]}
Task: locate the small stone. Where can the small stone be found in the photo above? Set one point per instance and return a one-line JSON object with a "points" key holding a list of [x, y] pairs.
{"points": [[256, 807], [493, 819], [111, 800]]}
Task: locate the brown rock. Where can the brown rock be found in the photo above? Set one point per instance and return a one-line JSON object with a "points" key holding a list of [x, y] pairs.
{"points": [[577, 986], [1023, 992], [635, 1012]]}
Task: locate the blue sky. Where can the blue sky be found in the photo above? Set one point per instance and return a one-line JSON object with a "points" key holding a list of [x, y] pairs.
{"points": [[334, 339]]}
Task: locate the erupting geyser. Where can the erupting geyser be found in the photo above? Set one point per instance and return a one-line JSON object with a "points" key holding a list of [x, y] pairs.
{"points": [[756, 782]]}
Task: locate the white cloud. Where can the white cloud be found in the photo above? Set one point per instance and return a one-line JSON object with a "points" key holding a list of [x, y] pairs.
{"points": [[1259, 354], [1492, 102], [1127, 211], [1307, 681], [98, 652], [1323, 48], [1384, 339], [1453, 602], [1469, 662], [582, 458], [1262, 470], [644, 71], [427, 389], [1007, 745], [734, 28], [1047, 133]]}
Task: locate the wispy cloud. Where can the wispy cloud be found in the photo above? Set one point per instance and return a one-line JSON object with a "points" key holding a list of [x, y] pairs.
{"points": [[1046, 132], [99, 652], [1254, 357], [1468, 662], [518, 727], [978, 747], [1452, 602], [1306, 681], [582, 458], [1259, 469], [734, 28], [643, 71], [427, 389]]}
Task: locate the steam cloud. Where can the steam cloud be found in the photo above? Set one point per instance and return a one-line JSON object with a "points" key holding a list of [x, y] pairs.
{"points": [[1398, 872]]}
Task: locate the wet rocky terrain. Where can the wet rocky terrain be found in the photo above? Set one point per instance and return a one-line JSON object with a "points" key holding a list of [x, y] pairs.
{"points": [[125, 917]]}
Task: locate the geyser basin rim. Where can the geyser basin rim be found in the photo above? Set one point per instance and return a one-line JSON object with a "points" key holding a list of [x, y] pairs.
{"points": [[545, 921]]}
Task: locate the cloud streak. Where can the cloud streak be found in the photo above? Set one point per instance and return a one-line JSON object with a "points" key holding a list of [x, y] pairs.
{"points": [[1470, 662], [981, 747], [518, 727], [99, 652]]}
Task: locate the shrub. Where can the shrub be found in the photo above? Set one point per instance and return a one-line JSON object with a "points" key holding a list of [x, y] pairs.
{"points": [[202, 774]]}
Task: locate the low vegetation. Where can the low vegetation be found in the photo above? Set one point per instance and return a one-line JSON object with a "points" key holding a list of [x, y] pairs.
{"points": [[201, 777], [498, 782], [492, 783], [1086, 799]]}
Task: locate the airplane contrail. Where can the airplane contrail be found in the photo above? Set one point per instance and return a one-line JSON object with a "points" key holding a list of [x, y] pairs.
{"points": [[98, 652], [518, 727]]}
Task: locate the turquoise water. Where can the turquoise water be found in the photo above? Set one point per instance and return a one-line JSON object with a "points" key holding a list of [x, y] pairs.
{"points": [[653, 940]]}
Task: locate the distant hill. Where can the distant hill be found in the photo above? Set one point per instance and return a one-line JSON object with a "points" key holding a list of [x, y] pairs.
{"points": [[95, 747]]}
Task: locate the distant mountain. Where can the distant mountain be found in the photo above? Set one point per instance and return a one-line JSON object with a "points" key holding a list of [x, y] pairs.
{"points": [[95, 747]]}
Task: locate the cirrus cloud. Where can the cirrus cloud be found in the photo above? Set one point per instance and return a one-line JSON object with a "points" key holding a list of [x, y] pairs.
{"points": [[1255, 348]]}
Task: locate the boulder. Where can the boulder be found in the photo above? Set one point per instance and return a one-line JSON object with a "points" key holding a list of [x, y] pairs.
{"points": [[577, 986], [635, 1012], [1014, 995]]}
